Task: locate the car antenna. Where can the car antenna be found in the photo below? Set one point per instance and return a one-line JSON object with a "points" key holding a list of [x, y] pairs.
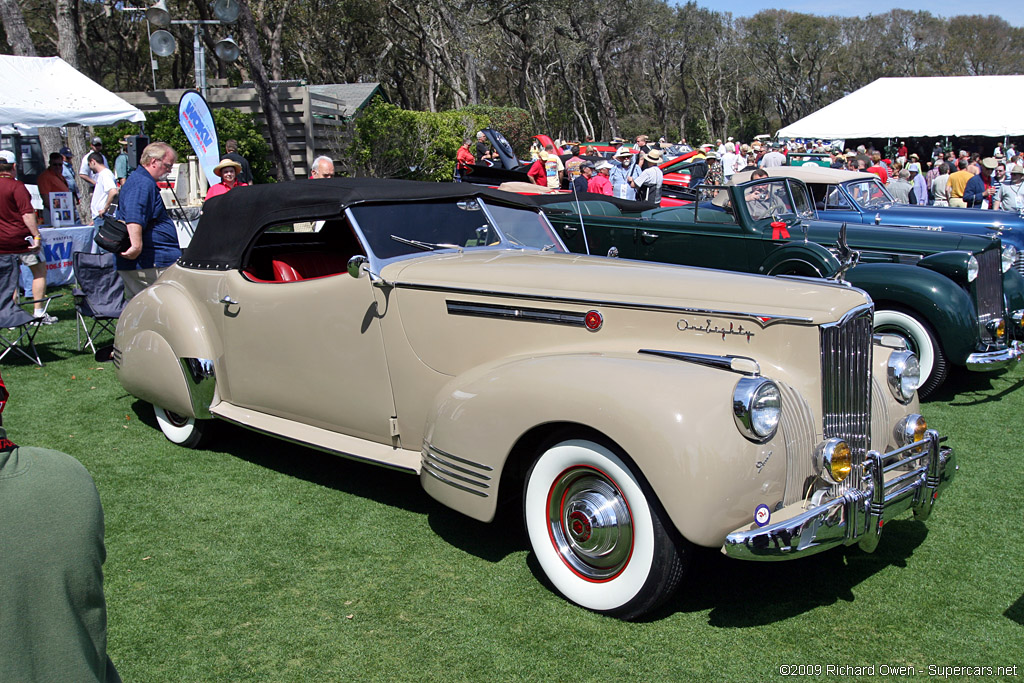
{"points": [[579, 212]]}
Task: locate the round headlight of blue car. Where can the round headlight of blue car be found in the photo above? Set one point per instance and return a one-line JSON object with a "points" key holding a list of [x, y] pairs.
{"points": [[757, 407], [1009, 256], [904, 375], [972, 269]]}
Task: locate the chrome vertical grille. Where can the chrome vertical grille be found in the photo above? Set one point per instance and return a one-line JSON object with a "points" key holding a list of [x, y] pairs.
{"points": [[1019, 263], [988, 289], [846, 384]]}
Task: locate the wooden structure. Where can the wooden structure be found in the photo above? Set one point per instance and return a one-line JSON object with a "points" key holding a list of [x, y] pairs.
{"points": [[316, 117]]}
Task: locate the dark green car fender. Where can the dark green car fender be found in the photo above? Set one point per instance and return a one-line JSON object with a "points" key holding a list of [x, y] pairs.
{"points": [[800, 258], [940, 302], [1013, 290]]}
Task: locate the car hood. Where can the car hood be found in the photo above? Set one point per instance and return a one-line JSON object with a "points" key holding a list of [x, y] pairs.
{"points": [[589, 280], [951, 218], [891, 238]]}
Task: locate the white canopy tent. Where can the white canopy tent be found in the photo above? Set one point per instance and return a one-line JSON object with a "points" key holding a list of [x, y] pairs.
{"points": [[47, 91], [920, 107]]}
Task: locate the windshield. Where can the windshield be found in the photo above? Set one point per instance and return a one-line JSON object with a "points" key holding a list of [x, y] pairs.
{"points": [[770, 198], [869, 193], [404, 228]]}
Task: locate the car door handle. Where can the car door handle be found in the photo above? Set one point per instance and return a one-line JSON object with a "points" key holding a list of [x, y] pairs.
{"points": [[227, 300], [649, 236], [571, 229]]}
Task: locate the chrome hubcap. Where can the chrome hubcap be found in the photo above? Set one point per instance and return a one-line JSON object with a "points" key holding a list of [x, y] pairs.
{"points": [[590, 524]]}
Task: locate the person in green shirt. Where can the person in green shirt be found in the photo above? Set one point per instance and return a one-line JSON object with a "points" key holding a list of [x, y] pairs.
{"points": [[53, 614]]}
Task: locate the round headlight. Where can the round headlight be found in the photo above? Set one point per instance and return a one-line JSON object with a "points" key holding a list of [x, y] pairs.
{"points": [[757, 407], [972, 269], [833, 460], [910, 429], [904, 374], [1009, 256]]}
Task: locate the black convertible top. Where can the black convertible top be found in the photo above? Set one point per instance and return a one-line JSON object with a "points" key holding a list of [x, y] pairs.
{"points": [[231, 222]]}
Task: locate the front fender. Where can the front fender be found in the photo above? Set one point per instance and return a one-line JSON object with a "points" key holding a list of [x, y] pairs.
{"points": [[159, 327], [803, 258], [940, 302], [672, 418]]}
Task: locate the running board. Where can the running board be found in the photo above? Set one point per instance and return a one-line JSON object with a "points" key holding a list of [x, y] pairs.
{"points": [[320, 439]]}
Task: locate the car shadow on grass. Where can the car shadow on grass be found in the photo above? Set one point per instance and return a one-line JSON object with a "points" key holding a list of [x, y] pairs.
{"points": [[380, 484], [963, 388], [743, 594]]}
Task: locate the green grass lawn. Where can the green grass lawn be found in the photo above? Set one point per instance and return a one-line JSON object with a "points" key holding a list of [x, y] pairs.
{"points": [[260, 560]]}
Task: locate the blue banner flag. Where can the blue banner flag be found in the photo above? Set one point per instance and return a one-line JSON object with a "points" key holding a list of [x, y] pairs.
{"points": [[195, 119]]}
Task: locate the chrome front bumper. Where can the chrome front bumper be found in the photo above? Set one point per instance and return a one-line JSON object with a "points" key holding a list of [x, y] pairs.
{"points": [[995, 360], [908, 478]]}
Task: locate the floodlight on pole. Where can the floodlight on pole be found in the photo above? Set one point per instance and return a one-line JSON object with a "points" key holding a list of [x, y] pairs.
{"points": [[227, 11], [158, 15], [227, 49]]}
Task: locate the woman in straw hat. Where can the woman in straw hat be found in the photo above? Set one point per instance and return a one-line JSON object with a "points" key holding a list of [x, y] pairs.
{"points": [[228, 171]]}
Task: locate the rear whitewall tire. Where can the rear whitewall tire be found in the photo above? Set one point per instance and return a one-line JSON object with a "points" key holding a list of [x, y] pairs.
{"points": [[624, 581], [179, 429]]}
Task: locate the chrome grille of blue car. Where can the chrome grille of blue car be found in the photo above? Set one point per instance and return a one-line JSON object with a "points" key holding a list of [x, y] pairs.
{"points": [[988, 289], [1019, 263], [846, 348]]}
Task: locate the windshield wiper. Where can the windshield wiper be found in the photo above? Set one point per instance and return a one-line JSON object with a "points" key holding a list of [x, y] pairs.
{"points": [[425, 246]]}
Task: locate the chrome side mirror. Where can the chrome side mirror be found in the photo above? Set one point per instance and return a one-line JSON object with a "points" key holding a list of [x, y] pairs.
{"points": [[355, 265]]}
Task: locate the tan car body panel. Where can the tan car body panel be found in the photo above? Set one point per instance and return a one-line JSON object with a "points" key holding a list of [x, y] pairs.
{"points": [[473, 386]]}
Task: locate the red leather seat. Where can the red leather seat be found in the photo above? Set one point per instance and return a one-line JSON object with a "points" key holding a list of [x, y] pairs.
{"points": [[305, 265]]}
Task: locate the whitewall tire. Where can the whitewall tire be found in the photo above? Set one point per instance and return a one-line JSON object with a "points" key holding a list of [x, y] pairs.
{"points": [[920, 339], [597, 532], [182, 430]]}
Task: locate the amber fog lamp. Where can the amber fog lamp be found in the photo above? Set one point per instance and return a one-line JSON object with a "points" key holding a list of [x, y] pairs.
{"points": [[997, 328], [593, 320], [910, 429], [834, 460]]}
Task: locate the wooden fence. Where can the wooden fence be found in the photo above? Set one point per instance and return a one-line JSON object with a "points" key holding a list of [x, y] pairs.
{"points": [[315, 124]]}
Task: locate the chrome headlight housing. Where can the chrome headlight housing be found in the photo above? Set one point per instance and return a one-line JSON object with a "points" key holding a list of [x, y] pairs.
{"points": [[910, 429], [972, 269], [1009, 256], [757, 408], [904, 375]]}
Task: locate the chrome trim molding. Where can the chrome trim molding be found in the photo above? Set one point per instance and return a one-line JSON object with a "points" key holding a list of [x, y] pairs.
{"points": [[442, 466], [537, 315], [738, 364], [764, 320], [115, 357], [202, 384], [907, 478], [987, 361], [445, 454], [428, 471]]}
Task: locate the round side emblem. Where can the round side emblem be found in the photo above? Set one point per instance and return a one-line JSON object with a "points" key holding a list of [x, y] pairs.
{"points": [[762, 515], [593, 320]]}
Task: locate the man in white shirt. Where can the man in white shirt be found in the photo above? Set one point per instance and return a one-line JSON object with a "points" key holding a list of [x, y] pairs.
{"points": [[730, 162], [648, 183], [104, 189], [83, 171]]}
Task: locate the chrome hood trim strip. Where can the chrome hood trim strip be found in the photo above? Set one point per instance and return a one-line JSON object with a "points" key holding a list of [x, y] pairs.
{"points": [[762, 319], [537, 315]]}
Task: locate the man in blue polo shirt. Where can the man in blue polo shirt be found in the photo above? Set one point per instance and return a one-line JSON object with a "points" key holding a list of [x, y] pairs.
{"points": [[154, 239]]}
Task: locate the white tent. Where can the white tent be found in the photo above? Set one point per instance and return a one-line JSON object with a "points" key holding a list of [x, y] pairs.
{"points": [[920, 107], [47, 91]]}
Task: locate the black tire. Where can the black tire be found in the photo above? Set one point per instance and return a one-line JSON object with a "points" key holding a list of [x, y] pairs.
{"points": [[598, 532], [182, 430], [920, 339]]}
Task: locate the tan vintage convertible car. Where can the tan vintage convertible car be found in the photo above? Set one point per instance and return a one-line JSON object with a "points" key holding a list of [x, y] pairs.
{"points": [[634, 409]]}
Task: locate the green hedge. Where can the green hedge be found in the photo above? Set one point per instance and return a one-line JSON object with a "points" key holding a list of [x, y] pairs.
{"points": [[162, 125]]}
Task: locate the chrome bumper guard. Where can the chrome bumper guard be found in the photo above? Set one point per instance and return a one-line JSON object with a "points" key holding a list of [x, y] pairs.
{"points": [[908, 478], [995, 360]]}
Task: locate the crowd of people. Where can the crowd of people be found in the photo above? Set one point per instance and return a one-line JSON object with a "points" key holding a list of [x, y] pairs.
{"points": [[943, 178]]}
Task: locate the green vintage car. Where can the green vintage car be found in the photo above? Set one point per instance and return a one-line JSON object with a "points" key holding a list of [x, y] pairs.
{"points": [[953, 298]]}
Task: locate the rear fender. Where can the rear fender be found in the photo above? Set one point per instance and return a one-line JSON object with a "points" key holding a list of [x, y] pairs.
{"points": [[939, 301], [800, 258], [158, 330], [673, 419]]}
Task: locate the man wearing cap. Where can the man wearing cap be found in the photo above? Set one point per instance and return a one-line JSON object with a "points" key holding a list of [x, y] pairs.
{"points": [[623, 168], [900, 187], [68, 171], [121, 162], [978, 192], [104, 191], [19, 233], [714, 175], [228, 171], [773, 158], [53, 621], [83, 171], [581, 182], [599, 183], [1009, 197], [919, 183], [648, 183]]}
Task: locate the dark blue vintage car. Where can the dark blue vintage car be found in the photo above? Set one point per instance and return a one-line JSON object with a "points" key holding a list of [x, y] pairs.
{"points": [[852, 197]]}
